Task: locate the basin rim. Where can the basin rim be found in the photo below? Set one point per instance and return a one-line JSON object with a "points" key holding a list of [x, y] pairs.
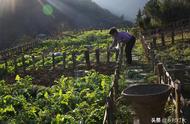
{"points": [[136, 95]]}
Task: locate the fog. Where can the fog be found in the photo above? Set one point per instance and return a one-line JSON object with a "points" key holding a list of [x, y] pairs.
{"points": [[128, 8]]}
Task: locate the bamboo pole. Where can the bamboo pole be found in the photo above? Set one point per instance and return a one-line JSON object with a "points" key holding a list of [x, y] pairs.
{"points": [[110, 111], [178, 102], [117, 71], [145, 47], [109, 116]]}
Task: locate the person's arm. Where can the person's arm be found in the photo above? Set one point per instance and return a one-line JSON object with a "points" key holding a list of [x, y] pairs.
{"points": [[114, 43]]}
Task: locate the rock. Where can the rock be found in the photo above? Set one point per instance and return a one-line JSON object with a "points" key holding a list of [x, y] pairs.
{"points": [[57, 54]]}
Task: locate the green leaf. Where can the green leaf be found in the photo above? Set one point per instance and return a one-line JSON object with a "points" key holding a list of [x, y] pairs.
{"points": [[46, 95], [17, 78]]}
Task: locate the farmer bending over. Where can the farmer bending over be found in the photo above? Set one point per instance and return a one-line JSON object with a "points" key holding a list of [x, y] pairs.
{"points": [[123, 37]]}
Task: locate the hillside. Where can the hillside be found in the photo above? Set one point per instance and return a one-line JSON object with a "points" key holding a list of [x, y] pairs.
{"points": [[31, 17], [127, 8]]}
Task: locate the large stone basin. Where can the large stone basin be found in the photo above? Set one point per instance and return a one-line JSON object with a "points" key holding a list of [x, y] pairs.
{"points": [[147, 100]]}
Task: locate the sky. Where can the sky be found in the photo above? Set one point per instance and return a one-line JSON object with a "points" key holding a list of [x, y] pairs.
{"points": [[128, 8]]}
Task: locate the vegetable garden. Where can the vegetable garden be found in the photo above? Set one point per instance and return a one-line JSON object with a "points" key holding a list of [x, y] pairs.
{"points": [[44, 85], [71, 79]]}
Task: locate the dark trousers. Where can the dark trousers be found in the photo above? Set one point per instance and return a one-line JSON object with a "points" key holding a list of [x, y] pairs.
{"points": [[128, 49]]}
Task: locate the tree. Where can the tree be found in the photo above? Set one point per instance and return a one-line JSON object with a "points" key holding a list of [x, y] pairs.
{"points": [[139, 19], [163, 12]]}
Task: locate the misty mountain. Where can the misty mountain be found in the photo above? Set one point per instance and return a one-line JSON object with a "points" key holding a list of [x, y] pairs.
{"points": [[32, 17], [128, 8]]}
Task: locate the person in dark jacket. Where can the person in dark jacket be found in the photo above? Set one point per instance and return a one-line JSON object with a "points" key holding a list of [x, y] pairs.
{"points": [[126, 38]]}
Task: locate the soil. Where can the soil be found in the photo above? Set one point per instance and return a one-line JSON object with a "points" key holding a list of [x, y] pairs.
{"points": [[46, 77]]}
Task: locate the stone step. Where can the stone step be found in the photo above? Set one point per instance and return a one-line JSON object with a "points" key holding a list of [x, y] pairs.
{"points": [[134, 81], [134, 67], [139, 70], [143, 74], [135, 58]]}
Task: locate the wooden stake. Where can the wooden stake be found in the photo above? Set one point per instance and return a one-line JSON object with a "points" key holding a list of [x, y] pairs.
{"points": [[53, 61], [163, 39], [43, 60], [182, 36], [15, 64], [6, 65], [108, 55], [160, 71], [97, 56], [178, 102], [33, 61], [64, 60], [23, 63], [87, 58], [116, 55], [173, 37], [74, 60], [154, 41]]}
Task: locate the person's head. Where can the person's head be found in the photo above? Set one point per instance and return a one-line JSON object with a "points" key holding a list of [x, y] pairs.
{"points": [[113, 32]]}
